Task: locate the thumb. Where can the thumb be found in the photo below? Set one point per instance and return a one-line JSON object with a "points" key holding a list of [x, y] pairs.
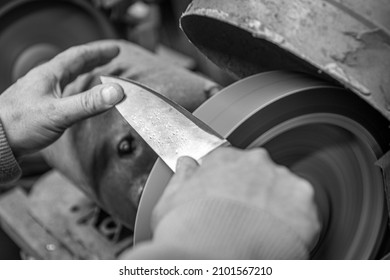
{"points": [[91, 102], [185, 166]]}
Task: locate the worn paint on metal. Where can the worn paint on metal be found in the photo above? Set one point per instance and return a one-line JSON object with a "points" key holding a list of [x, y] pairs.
{"points": [[344, 40]]}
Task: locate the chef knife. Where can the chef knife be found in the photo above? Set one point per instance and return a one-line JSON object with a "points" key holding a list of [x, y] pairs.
{"points": [[169, 129]]}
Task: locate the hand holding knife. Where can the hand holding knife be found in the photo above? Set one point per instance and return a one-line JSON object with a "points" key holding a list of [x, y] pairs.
{"points": [[173, 132]]}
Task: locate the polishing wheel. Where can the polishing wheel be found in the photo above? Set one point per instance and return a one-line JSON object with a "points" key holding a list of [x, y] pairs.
{"points": [[323, 133], [33, 31]]}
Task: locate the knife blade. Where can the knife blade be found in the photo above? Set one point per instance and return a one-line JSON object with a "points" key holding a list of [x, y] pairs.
{"points": [[169, 129]]}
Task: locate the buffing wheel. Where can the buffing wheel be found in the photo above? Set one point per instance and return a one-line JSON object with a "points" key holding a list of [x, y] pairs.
{"points": [[323, 133], [32, 32]]}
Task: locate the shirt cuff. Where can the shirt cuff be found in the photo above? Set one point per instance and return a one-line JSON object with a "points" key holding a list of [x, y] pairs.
{"points": [[10, 170]]}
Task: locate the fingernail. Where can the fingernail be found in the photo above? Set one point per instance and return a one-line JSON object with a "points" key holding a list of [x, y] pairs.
{"points": [[185, 162], [180, 162], [112, 94]]}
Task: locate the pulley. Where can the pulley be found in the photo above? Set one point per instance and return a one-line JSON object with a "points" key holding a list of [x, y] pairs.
{"points": [[32, 32], [323, 133]]}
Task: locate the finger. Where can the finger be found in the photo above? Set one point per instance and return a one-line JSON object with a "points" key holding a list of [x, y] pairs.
{"points": [[186, 166], [80, 59], [80, 84], [222, 154], [260, 153], [89, 103]]}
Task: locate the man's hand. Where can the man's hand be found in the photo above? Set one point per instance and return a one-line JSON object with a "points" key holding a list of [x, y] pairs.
{"points": [[249, 177], [34, 112]]}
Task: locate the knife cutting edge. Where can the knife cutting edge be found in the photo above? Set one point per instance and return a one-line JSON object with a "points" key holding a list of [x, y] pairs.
{"points": [[169, 129]]}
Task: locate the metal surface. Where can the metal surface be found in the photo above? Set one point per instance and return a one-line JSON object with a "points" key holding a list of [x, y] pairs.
{"points": [[169, 129], [344, 40], [32, 32], [311, 127]]}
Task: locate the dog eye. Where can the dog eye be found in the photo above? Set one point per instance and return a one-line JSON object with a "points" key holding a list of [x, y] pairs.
{"points": [[126, 146]]}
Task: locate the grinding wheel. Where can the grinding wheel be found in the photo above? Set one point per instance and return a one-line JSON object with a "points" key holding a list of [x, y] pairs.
{"points": [[323, 133], [32, 32]]}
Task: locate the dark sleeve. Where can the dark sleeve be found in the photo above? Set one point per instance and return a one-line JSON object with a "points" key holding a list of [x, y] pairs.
{"points": [[9, 168]]}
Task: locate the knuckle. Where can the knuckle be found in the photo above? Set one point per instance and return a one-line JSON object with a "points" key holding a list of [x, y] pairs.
{"points": [[260, 154], [314, 221], [218, 154], [61, 56], [38, 76], [83, 50], [88, 102], [56, 117], [306, 188], [77, 49], [38, 71], [284, 171]]}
